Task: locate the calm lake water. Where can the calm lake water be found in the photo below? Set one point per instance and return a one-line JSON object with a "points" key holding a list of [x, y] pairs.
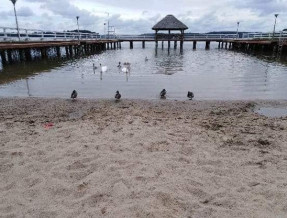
{"points": [[211, 74]]}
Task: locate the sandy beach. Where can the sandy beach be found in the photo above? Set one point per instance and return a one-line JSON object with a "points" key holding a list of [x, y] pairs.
{"points": [[137, 158]]}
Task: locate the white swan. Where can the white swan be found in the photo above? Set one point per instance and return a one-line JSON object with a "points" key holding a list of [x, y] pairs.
{"points": [[103, 68], [125, 70]]}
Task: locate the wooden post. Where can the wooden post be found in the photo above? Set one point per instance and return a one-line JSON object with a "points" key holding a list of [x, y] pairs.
{"points": [[225, 45], [218, 45], [75, 50], [115, 45], [207, 45], [156, 39], [21, 55], [222, 44], [58, 50], [181, 44], [162, 43], [71, 50], [143, 44], [175, 44], [194, 45], [67, 51], [43, 53], [181, 40], [9, 54], [131, 45], [230, 45], [120, 45], [28, 55], [168, 43], [3, 57]]}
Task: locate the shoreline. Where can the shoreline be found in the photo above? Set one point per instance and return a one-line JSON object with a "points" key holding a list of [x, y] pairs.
{"points": [[141, 158]]}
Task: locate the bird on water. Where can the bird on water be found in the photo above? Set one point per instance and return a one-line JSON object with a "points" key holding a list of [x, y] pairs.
{"points": [[118, 95], [190, 95], [163, 93], [74, 95], [103, 68], [119, 65]]}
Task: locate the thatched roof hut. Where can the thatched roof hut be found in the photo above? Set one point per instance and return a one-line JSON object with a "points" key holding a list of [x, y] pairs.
{"points": [[170, 22]]}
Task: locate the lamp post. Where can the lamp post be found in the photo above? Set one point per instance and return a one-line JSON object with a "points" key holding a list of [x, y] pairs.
{"points": [[14, 2], [237, 29], [276, 15], [78, 27], [105, 29], [108, 25]]}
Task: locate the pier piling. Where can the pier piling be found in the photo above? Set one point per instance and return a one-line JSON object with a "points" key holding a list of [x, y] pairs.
{"points": [[194, 45], [207, 45]]}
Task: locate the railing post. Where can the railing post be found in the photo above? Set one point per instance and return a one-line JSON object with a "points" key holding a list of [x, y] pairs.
{"points": [[27, 37], [42, 35], [5, 33]]}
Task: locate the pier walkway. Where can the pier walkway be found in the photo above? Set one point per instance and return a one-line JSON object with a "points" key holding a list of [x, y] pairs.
{"points": [[22, 46]]}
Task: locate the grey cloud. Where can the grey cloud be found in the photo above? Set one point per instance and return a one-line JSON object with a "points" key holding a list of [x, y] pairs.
{"points": [[25, 12]]}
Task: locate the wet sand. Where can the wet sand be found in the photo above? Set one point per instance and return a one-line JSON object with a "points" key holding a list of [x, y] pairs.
{"points": [[136, 158]]}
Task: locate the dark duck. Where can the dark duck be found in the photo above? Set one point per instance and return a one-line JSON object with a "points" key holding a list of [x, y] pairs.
{"points": [[118, 95], [163, 93], [190, 95], [74, 95]]}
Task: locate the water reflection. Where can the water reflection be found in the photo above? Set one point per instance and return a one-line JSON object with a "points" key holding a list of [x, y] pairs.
{"points": [[210, 74]]}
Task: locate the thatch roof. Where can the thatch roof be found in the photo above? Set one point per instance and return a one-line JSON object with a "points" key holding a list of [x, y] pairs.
{"points": [[170, 22]]}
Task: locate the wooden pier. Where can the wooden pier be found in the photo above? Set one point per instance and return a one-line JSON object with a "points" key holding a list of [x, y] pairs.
{"points": [[11, 52]]}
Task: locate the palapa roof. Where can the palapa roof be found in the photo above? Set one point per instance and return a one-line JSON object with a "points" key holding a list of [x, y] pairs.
{"points": [[170, 22]]}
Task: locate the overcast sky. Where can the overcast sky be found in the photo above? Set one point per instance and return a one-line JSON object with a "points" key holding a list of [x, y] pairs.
{"points": [[133, 16]]}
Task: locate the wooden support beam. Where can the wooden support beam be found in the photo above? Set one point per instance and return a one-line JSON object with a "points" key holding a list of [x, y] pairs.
{"points": [[175, 44], [218, 45], [207, 45], [28, 55], [71, 51], [58, 51], [181, 44], [131, 45], [162, 44], [194, 44], [21, 55], [44, 53], [143, 44], [3, 57], [9, 55], [67, 51], [225, 45]]}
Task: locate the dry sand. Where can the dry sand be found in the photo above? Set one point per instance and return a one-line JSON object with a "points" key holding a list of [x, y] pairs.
{"points": [[138, 158]]}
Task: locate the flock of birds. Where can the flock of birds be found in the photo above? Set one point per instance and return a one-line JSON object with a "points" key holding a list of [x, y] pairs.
{"points": [[118, 96], [126, 69]]}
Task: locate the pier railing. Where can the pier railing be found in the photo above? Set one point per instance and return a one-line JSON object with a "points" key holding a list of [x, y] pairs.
{"points": [[11, 34], [277, 35], [175, 37]]}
